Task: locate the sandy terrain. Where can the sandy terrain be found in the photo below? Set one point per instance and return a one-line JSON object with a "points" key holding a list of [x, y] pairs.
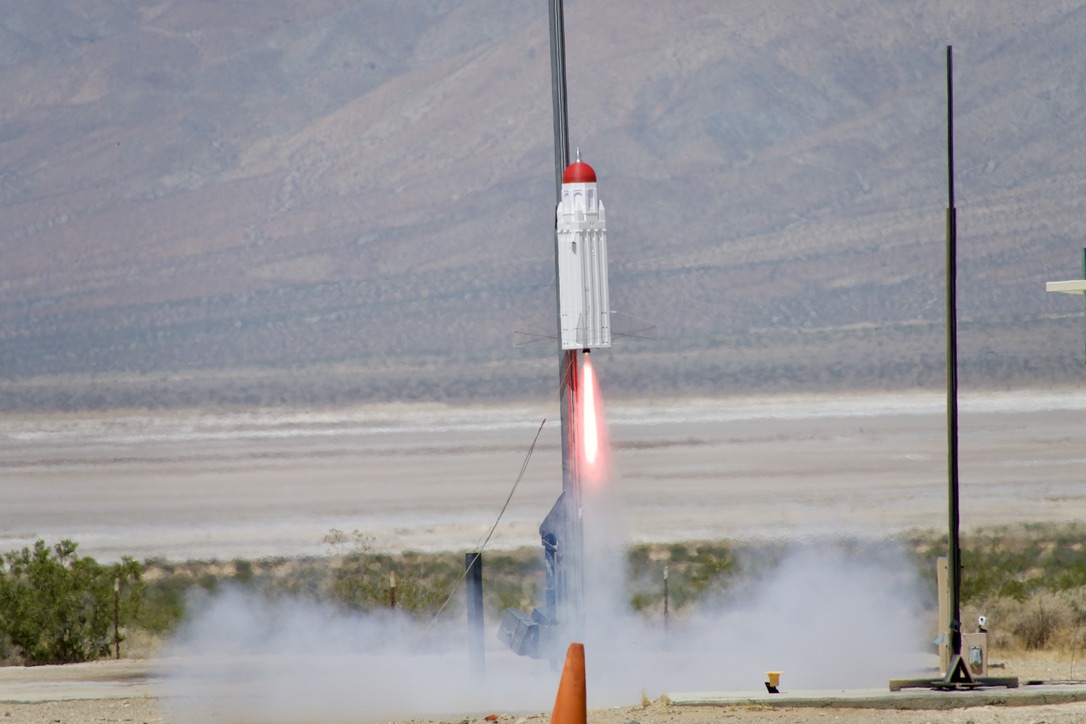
{"points": [[199, 485], [148, 710], [120, 692], [222, 486]]}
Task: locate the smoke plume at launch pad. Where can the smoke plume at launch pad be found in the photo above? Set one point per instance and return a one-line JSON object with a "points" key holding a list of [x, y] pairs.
{"points": [[827, 617], [830, 614]]}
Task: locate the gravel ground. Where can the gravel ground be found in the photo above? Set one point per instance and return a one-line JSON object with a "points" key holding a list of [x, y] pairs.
{"points": [[147, 708]]}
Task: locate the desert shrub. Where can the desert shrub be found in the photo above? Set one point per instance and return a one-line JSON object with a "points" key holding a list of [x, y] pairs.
{"points": [[164, 604], [366, 588], [1018, 562], [243, 571], [57, 607], [694, 571], [513, 580], [423, 590], [1040, 623], [523, 594], [1007, 572], [678, 552], [1029, 579], [989, 568], [416, 583]]}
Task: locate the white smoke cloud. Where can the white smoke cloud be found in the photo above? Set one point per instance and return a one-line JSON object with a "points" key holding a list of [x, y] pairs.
{"points": [[825, 616], [242, 656], [829, 615]]}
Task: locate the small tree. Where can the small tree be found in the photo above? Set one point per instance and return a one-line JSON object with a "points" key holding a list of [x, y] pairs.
{"points": [[57, 608]]}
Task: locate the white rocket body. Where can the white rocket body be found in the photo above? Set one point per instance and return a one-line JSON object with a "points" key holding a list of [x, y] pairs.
{"points": [[581, 226]]}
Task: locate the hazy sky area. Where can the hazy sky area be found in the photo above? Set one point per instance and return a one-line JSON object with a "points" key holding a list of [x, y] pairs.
{"points": [[325, 204]]}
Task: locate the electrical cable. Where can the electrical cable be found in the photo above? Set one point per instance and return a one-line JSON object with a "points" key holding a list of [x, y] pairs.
{"points": [[479, 548]]}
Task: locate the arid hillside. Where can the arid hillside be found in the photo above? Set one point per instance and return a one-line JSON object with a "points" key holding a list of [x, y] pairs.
{"points": [[323, 202]]}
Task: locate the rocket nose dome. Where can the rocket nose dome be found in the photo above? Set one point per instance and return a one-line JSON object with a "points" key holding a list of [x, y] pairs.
{"points": [[579, 173]]}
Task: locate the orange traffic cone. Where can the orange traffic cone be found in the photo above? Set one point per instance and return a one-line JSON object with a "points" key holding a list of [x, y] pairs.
{"points": [[571, 706]]}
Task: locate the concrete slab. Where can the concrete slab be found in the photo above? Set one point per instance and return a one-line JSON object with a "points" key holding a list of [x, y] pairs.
{"points": [[918, 699]]}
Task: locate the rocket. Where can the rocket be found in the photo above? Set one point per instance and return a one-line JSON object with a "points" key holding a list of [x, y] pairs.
{"points": [[581, 226], [584, 313], [584, 323]]}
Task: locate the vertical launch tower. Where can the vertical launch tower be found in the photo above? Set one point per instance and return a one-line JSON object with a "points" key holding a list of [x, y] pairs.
{"points": [[584, 323]]}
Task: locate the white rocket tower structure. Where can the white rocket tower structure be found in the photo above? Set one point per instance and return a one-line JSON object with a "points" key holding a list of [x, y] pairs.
{"points": [[581, 226], [584, 323], [584, 312]]}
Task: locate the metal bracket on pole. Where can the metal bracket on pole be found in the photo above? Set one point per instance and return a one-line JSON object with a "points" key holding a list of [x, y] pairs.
{"points": [[1074, 286]]}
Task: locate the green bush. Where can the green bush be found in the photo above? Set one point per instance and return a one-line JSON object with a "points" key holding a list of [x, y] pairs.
{"points": [[57, 608], [696, 570], [164, 605], [422, 583], [1041, 622]]}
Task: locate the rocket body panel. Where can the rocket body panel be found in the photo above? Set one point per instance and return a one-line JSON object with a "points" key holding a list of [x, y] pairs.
{"points": [[584, 303]]}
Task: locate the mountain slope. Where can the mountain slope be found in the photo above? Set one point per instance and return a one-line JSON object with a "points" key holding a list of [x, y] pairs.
{"points": [[268, 203]]}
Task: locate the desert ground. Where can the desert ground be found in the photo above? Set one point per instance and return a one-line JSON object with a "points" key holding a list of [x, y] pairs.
{"points": [[110, 691], [200, 485], [225, 485]]}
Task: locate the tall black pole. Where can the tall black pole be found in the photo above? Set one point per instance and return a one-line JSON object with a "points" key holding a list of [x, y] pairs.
{"points": [[569, 572], [558, 95], [954, 548], [117, 616]]}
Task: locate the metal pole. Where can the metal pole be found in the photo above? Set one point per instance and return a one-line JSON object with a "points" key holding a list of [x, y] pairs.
{"points": [[117, 617], [954, 548], [473, 564], [667, 615], [558, 95], [569, 574]]}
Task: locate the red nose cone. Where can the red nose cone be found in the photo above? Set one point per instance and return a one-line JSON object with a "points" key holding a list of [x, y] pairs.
{"points": [[579, 173]]}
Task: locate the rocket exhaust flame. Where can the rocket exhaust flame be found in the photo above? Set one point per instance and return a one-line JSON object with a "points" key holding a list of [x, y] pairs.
{"points": [[591, 430], [593, 447]]}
